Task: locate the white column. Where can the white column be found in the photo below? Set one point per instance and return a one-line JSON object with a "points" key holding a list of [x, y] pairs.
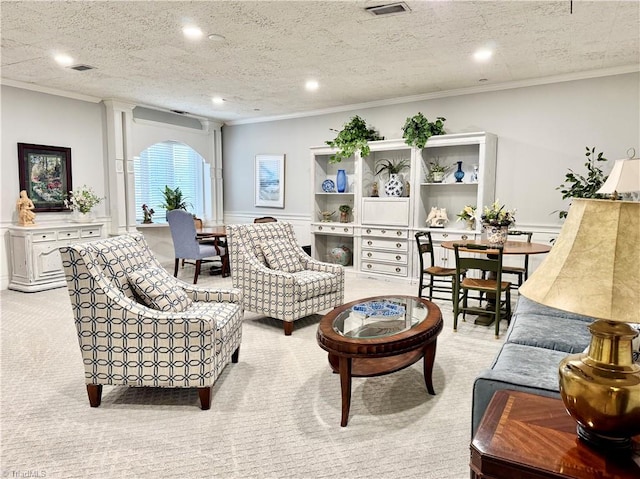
{"points": [[216, 209], [121, 185]]}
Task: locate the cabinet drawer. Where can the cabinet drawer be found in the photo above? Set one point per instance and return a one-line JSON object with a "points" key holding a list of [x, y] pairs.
{"points": [[68, 235], [90, 232], [390, 257], [385, 232], [445, 236], [44, 236], [384, 243], [330, 228], [395, 270]]}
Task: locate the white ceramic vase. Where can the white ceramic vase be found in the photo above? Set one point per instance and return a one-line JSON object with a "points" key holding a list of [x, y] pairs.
{"points": [[78, 217]]}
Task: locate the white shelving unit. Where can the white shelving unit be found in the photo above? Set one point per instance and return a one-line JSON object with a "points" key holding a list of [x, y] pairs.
{"points": [[381, 229]]}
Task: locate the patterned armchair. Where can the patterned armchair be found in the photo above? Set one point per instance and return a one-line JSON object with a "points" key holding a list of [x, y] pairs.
{"points": [[276, 277], [139, 326]]}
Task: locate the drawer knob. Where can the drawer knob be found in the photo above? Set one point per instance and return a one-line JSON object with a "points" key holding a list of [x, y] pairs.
{"points": [[319, 228], [369, 243], [346, 230], [399, 233], [383, 231], [398, 257], [464, 237], [44, 236], [369, 255], [398, 245], [369, 266], [445, 235], [398, 270], [368, 231], [333, 228]]}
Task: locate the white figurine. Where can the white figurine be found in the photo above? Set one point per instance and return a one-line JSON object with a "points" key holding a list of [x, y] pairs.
{"points": [[437, 217]]}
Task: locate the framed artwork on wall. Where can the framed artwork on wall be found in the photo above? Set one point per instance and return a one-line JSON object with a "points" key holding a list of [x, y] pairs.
{"points": [[45, 174], [269, 181]]}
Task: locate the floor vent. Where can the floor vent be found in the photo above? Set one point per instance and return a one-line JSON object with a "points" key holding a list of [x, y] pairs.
{"points": [[389, 9], [81, 68]]}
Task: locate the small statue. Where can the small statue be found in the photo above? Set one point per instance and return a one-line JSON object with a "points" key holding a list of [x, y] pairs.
{"points": [[437, 217], [24, 206], [327, 216], [148, 214], [374, 190]]}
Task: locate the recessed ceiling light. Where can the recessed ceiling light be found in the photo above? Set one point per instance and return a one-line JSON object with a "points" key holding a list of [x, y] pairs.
{"points": [[217, 100], [192, 33], [312, 85], [216, 37], [482, 55], [64, 60]]}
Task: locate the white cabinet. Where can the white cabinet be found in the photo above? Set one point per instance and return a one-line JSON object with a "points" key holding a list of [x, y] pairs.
{"points": [[35, 259], [381, 227]]}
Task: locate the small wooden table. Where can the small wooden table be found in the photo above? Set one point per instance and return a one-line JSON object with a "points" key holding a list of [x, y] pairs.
{"points": [[510, 247], [217, 234], [363, 342], [525, 436]]}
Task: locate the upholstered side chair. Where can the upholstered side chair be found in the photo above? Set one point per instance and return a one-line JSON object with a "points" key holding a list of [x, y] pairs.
{"points": [[139, 326], [276, 277], [186, 245]]}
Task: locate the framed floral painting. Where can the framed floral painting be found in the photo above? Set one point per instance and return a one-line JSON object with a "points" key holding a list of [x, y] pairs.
{"points": [[45, 174]]}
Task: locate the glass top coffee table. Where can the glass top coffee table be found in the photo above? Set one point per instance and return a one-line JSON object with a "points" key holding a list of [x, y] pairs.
{"points": [[379, 335]]}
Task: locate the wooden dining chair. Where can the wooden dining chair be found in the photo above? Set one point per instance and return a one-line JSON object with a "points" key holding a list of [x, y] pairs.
{"points": [[522, 272], [492, 263], [435, 278]]}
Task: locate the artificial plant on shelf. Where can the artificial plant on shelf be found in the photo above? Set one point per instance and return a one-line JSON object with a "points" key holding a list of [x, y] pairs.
{"points": [[417, 129], [392, 167], [468, 215], [437, 171], [579, 186], [354, 136], [174, 199], [344, 213]]}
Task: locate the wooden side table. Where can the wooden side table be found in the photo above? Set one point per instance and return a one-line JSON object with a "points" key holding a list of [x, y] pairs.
{"points": [[525, 436]]}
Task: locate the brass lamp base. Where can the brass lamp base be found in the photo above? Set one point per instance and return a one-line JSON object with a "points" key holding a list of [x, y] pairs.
{"points": [[601, 389]]}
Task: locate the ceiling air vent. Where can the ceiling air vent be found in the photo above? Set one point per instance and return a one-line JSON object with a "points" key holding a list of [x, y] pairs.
{"points": [[389, 9], [81, 68]]}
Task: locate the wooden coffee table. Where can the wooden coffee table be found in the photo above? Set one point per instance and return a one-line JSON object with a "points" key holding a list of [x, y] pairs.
{"points": [[379, 335], [525, 436]]}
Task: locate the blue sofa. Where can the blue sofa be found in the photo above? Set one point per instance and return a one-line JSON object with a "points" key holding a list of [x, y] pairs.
{"points": [[536, 341]]}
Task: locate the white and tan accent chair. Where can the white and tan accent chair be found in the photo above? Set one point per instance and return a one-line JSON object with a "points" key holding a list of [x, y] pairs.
{"points": [[139, 326], [276, 277]]}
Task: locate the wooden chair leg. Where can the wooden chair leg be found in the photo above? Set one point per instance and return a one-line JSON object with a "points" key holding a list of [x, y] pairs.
{"points": [[95, 394], [236, 355], [205, 397], [195, 276], [288, 328], [175, 268]]}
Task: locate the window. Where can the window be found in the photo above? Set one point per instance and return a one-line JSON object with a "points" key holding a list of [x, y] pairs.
{"points": [[176, 165]]}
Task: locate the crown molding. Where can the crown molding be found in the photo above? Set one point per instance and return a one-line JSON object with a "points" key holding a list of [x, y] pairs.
{"points": [[448, 93], [49, 91]]}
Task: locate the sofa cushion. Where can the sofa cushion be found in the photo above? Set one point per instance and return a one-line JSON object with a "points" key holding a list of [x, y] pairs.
{"points": [[558, 333], [154, 291], [525, 305], [280, 255], [309, 284]]}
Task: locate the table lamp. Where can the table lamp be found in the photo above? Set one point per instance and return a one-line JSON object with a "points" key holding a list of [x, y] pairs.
{"points": [[593, 269]]}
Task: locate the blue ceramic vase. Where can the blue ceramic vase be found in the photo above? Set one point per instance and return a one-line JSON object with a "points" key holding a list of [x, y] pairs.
{"points": [[459, 174], [341, 181]]}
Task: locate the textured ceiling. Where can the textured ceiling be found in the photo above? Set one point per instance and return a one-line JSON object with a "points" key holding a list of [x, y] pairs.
{"points": [[273, 47]]}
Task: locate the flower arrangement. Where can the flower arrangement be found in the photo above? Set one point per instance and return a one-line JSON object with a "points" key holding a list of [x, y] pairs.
{"points": [[82, 199], [496, 215], [467, 213]]}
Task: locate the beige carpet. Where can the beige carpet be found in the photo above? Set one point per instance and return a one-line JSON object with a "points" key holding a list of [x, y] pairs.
{"points": [[275, 414]]}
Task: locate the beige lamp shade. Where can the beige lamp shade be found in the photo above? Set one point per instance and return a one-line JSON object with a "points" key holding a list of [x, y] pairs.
{"points": [[624, 177], [593, 268]]}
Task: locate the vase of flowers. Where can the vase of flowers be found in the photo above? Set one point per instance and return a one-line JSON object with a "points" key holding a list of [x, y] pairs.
{"points": [[468, 215], [81, 201], [496, 221]]}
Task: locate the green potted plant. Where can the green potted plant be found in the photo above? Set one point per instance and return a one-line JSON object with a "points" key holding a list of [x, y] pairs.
{"points": [[173, 199], [354, 136], [437, 171], [394, 186], [579, 186], [344, 213], [417, 129]]}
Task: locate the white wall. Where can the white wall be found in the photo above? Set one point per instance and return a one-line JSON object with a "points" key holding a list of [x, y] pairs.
{"points": [[542, 131]]}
